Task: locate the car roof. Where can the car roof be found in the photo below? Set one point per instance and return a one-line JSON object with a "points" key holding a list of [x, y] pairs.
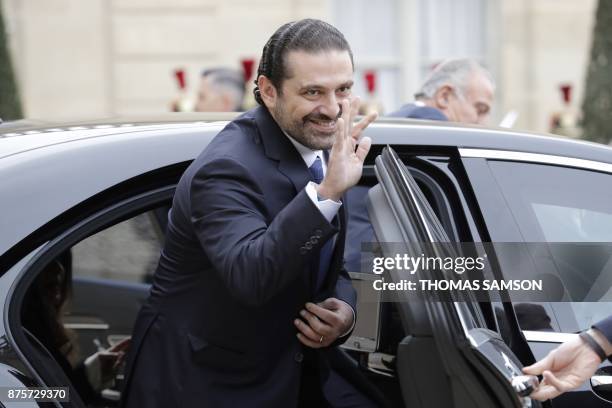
{"points": [[45, 174], [383, 131], [62, 165], [158, 118], [436, 133], [24, 135]]}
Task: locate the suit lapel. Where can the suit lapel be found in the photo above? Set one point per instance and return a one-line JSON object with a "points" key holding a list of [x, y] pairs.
{"points": [[278, 147], [290, 163]]}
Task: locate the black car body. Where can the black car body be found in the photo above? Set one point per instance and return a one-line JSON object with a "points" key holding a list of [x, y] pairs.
{"points": [[101, 191]]}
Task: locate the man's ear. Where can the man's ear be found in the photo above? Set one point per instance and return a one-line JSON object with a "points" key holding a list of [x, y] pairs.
{"points": [[267, 91], [442, 96]]}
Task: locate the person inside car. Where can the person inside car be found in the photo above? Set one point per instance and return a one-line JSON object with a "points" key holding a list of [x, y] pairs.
{"points": [[42, 316]]}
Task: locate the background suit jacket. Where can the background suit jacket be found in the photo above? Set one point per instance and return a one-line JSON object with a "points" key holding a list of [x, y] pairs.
{"points": [[605, 327], [238, 265], [414, 111]]}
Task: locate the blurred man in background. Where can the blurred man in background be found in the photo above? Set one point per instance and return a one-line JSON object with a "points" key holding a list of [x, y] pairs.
{"points": [[458, 90], [221, 90]]}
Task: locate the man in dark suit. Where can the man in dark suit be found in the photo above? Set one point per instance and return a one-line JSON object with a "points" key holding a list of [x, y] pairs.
{"points": [[569, 365], [250, 297], [457, 90]]}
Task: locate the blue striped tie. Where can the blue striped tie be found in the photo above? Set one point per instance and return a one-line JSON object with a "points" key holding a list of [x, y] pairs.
{"points": [[316, 173]]}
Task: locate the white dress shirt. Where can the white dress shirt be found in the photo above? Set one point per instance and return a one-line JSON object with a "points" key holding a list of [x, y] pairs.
{"points": [[329, 208]]}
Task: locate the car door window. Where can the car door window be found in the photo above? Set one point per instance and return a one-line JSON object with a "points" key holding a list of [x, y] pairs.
{"points": [[111, 275], [558, 204], [127, 251], [87, 298], [405, 223], [358, 256]]}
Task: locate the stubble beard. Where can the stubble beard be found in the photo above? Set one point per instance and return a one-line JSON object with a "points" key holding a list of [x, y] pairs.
{"points": [[302, 133]]}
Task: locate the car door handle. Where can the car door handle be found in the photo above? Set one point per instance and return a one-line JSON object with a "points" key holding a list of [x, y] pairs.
{"points": [[524, 384], [602, 383]]}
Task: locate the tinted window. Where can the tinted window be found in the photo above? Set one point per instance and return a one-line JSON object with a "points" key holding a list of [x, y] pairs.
{"points": [[127, 251], [89, 297], [559, 204]]}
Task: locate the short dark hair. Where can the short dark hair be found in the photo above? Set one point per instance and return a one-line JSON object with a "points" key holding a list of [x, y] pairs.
{"points": [[308, 35]]}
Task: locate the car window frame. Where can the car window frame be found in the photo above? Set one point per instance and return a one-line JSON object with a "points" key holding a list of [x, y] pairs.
{"points": [[423, 176], [415, 223], [445, 166]]}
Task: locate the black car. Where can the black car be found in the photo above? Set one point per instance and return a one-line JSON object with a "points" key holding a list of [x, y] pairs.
{"points": [[93, 198]]}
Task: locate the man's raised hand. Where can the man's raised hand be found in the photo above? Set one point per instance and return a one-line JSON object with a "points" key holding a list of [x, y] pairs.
{"points": [[348, 152]]}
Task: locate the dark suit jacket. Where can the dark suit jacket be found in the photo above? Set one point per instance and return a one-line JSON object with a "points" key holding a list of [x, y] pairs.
{"points": [[238, 265], [359, 231], [605, 327], [418, 112]]}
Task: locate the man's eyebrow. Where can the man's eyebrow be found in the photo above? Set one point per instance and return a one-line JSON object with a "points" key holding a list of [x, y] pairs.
{"points": [[346, 84], [311, 86]]}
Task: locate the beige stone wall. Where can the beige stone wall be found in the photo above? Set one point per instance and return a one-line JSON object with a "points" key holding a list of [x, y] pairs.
{"points": [[84, 58], [77, 58], [543, 43], [60, 56]]}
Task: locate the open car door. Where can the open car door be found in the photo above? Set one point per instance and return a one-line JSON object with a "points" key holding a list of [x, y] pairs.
{"points": [[447, 358]]}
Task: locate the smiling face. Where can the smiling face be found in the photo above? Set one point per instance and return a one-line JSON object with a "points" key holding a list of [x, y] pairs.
{"points": [[307, 105]]}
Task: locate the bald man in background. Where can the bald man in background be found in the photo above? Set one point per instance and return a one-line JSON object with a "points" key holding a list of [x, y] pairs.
{"points": [[457, 90]]}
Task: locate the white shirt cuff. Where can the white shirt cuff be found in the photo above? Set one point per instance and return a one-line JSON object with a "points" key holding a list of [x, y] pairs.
{"points": [[329, 208], [354, 320]]}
